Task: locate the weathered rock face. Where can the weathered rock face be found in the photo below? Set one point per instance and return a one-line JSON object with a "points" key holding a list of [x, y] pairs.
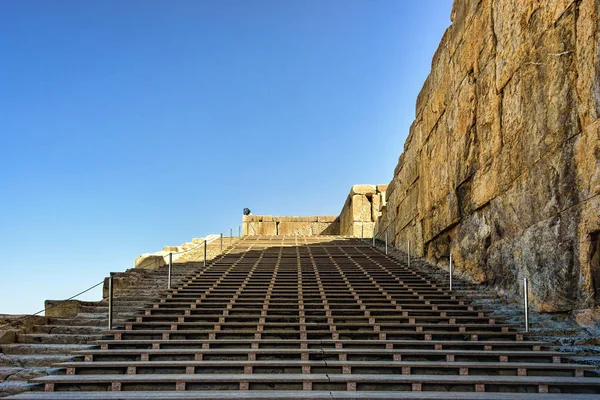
{"points": [[502, 163]]}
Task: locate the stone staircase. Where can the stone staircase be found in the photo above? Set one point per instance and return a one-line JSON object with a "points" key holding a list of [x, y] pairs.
{"points": [[47, 341], [313, 318]]}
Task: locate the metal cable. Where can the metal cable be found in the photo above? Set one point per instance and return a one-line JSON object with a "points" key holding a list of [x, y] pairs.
{"points": [[82, 292], [193, 248], [185, 251], [52, 306]]}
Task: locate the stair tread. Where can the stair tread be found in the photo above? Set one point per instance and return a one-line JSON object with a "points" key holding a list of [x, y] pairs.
{"points": [[453, 364], [495, 379], [293, 394], [322, 351], [328, 341]]}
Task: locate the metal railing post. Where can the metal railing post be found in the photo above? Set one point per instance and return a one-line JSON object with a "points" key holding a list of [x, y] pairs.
{"points": [[110, 301], [239, 231], [408, 254], [170, 270], [221, 242], [205, 252], [526, 300], [386, 243], [450, 271], [362, 230], [230, 236], [373, 239]]}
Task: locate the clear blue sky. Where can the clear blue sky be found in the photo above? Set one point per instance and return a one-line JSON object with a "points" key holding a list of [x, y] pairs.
{"points": [[130, 125]]}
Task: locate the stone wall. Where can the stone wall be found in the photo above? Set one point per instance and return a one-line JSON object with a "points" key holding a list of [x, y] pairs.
{"points": [[361, 210], [502, 163], [269, 225]]}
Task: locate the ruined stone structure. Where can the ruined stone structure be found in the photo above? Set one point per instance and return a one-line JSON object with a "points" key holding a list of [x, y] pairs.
{"points": [[361, 210], [357, 218], [502, 163], [188, 251], [270, 225]]}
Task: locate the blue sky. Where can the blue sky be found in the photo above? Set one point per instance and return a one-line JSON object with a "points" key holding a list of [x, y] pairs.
{"points": [[130, 125]]}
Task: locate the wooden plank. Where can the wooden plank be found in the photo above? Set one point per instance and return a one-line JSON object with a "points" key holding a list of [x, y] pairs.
{"points": [[286, 363], [330, 378]]}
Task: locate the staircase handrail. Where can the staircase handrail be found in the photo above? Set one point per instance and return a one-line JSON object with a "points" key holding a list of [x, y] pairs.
{"points": [[24, 317]]}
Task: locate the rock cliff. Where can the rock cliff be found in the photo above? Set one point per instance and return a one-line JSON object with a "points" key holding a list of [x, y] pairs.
{"points": [[502, 163]]}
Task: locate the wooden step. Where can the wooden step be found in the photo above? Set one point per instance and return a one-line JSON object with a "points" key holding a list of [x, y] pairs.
{"points": [[542, 384], [432, 344], [347, 367], [341, 354], [300, 395]]}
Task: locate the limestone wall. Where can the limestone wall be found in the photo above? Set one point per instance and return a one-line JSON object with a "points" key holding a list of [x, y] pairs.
{"points": [[361, 209], [270, 225], [502, 162]]}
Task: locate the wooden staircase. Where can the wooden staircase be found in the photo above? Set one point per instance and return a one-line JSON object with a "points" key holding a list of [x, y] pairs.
{"points": [[315, 318]]}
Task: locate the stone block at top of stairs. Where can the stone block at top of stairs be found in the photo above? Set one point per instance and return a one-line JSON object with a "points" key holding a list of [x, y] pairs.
{"points": [[150, 261]]}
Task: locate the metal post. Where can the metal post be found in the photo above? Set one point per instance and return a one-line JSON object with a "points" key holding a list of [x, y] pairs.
{"points": [[373, 239], [110, 301], [230, 236], [450, 271], [526, 296], [408, 254], [362, 230], [170, 269], [205, 252], [386, 243], [221, 242], [239, 231]]}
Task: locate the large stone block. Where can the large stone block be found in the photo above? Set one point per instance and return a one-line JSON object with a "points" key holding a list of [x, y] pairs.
{"points": [[262, 228], [363, 189], [62, 308], [327, 218], [150, 261], [381, 188], [375, 207], [363, 229], [332, 228], [361, 208], [295, 228], [324, 228]]}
